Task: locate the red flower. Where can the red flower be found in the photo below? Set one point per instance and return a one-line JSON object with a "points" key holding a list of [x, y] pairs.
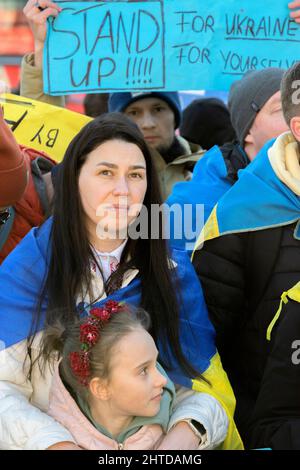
{"points": [[89, 336], [112, 306], [80, 365], [89, 333], [101, 313]]}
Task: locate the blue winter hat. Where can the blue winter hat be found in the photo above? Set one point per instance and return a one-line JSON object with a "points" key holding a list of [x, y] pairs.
{"points": [[118, 102]]}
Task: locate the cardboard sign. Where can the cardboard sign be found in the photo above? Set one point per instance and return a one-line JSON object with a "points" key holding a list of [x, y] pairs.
{"points": [[41, 126], [165, 44]]}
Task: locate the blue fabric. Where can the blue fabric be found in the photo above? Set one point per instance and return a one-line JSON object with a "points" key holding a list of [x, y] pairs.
{"points": [[22, 275], [207, 186], [21, 278], [258, 200]]}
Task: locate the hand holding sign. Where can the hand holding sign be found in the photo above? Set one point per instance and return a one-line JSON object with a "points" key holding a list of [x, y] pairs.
{"points": [[37, 20], [165, 44], [295, 14]]}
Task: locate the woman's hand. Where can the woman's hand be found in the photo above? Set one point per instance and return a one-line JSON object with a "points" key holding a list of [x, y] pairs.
{"points": [[295, 14], [65, 445], [180, 437], [37, 20]]}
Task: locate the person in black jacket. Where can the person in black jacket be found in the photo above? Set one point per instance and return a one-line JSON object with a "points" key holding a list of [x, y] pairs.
{"points": [[276, 416], [253, 256]]}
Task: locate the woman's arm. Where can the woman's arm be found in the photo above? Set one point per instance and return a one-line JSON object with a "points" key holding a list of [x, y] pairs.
{"points": [[23, 425], [32, 64], [203, 409]]}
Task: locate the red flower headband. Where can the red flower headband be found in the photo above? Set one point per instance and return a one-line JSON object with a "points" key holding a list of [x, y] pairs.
{"points": [[89, 336]]}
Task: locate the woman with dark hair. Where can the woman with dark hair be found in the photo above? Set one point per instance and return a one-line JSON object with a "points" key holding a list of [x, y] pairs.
{"points": [[89, 252]]}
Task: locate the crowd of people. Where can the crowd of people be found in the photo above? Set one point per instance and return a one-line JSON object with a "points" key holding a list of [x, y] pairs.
{"points": [[111, 339]]}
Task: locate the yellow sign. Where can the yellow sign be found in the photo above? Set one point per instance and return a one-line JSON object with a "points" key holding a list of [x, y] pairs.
{"points": [[41, 126]]}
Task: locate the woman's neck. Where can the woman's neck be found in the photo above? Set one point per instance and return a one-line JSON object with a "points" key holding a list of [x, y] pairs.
{"points": [[106, 246], [107, 418]]}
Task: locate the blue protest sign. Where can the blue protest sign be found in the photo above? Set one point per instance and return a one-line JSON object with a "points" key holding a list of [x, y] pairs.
{"points": [[165, 44]]}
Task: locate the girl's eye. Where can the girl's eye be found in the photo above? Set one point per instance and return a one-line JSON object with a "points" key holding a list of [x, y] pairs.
{"points": [[105, 173], [144, 371]]}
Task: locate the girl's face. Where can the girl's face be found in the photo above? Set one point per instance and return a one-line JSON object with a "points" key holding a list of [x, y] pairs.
{"points": [[112, 186], [135, 385]]}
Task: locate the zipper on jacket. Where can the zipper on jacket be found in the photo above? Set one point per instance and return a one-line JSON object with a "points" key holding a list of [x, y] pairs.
{"points": [[120, 446]]}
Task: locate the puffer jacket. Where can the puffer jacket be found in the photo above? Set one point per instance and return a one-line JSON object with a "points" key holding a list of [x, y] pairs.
{"points": [[13, 167], [243, 275], [240, 315], [32, 207], [276, 416]]}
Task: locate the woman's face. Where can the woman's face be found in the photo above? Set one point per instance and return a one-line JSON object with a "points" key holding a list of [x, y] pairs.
{"points": [[112, 186]]}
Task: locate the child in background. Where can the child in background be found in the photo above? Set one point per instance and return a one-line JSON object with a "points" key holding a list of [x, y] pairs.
{"points": [[108, 389]]}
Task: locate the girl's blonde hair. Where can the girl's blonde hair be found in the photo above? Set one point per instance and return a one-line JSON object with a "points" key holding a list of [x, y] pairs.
{"points": [[67, 341]]}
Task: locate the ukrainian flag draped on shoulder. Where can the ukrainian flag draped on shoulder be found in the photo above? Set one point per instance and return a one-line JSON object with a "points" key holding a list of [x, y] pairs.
{"points": [[257, 201], [22, 275], [208, 184]]}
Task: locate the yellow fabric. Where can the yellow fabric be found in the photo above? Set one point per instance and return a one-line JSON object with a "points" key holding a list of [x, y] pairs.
{"points": [[209, 231], [220, 389], [284, 157], [293, 294], [41, 126]]}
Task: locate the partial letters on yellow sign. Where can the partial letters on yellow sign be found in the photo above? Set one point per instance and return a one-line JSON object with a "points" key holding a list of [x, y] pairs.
{"points": [[41, 126]]}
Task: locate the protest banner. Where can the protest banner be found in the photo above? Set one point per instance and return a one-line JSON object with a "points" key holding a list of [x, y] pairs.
{"points": [[165, 44], [41, 126]]}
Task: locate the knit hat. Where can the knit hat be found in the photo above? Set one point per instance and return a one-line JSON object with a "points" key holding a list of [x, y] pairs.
{"points": [[206, 122], [248, 95], [13, 170], [119, 101]]}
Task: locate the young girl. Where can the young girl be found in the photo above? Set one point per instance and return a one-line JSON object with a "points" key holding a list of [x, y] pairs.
{"points": [[109, 391]]}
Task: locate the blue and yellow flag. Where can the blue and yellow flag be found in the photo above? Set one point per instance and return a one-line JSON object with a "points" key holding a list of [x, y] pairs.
{"points": [[207, 186], [257, 201]]}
